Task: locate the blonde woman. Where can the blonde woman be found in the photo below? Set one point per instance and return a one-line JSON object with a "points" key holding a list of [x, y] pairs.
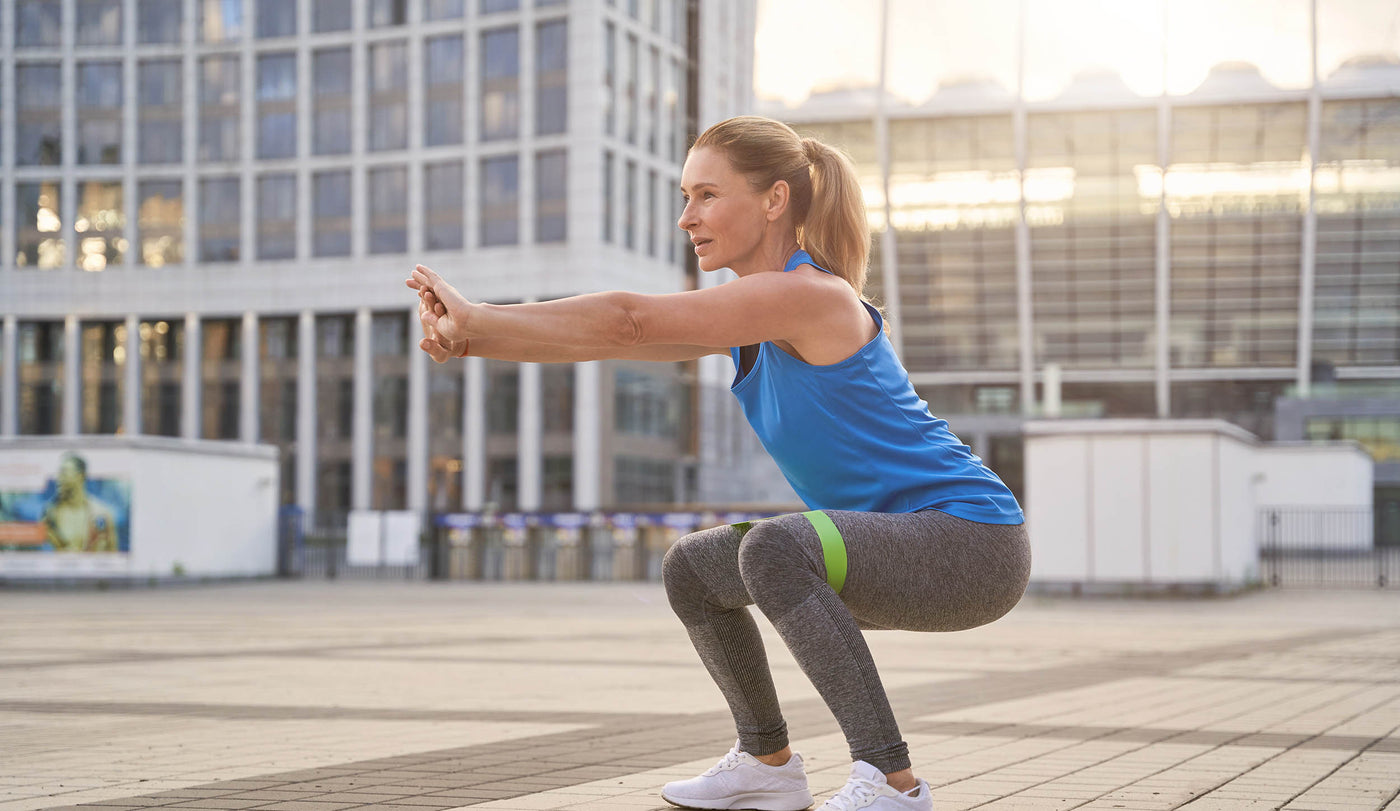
{"points": [[907, 528]]}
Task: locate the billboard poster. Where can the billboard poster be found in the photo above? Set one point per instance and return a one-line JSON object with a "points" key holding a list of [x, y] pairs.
{"points": [[60, 505]]}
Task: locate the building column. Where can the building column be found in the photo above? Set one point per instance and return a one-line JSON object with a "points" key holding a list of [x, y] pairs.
{"points": [[474, 435], [1308, 271], [417, 460], [588, 459], [72, 375], [131, 370], [306, 414], [362, 430], [9, 377], [1162, 286], [249, 387], [1024, 311], [191, 394], [530, 436]]}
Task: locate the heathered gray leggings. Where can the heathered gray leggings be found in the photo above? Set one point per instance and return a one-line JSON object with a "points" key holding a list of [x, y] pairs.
{"points": [[925, 571]]}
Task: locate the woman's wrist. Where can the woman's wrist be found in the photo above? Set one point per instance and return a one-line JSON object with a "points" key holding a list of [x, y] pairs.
{"points": [[466, 347]]}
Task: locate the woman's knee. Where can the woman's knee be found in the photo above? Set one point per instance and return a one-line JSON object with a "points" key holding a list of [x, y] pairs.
{"points": [[776, 553]]}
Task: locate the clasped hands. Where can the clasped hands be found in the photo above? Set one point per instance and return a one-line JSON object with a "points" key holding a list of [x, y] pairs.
{"points": [[443, 314]]}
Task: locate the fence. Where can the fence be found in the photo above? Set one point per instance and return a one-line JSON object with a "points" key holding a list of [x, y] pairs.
{"points": [[1327, 546]]}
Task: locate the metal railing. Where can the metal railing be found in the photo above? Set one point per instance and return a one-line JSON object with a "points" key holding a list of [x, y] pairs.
{"points": [[1327, 546]]}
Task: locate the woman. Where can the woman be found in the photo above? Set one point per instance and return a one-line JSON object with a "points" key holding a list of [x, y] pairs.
{"points": [[908, 529]]}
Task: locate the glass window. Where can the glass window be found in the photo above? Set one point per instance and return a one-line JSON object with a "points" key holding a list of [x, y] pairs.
{"points": [[1065, 57], [645, 404], [443, 9], [332, 101], [219, 85], [161, 112], [551, 77], [220, 20], [1220, 46], [38, 23], [159, 21], [443, 71], [650, 213], [651, 97], [38, 227], [277, 18], [40, 372], [500, 76], [277, 216], [388, 210], [220, 376], [609, 169], [629, 206], [502, 483], [388, 85], [160, 223], [219, 215], [610, 78], [277, 105], [331, 15], [388, 12], [39, 114], [500, 200], [644, 481], [99, 224], [629, 88], [442, 206], [445, 402], [502, 397], [557, 480], [103, 348], [551, 196], [99, 112], [331, 204], [99, 22], [495, 6], [1351, 35]]}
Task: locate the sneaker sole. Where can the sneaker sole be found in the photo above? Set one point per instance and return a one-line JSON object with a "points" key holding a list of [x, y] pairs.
{"points": [[768, 801]]}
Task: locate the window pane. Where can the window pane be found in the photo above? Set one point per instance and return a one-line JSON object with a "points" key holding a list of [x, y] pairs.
{"points": [[277, 106], [500, 96], [37, 23], [221, 20], [219, 214], [159, 21], [331, 210], [443, 9], [277, 216], [99, 112], [388, 210], [442, 206], [551, 196], [331, 15], [332, 101], [500, 200], [219, 108], [443, 72], [99, 22], [101, 218], [551, 76], [160, 223], [277, 18], [494, 6], [38, 229], [161, 112], [388, 12], [388, 128], [39, 114]]}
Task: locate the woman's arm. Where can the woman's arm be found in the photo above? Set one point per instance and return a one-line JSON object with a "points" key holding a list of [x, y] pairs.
{"points": [[761, 307]]}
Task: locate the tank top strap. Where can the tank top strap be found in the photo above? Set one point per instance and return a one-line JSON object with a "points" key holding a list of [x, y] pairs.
{"points": [[803, 258]]}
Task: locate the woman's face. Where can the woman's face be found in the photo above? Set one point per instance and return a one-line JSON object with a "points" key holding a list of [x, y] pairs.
{"points": [[725, 218]]}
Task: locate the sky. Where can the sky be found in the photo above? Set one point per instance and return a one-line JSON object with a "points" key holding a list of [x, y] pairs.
{"points": [[806, 45]]}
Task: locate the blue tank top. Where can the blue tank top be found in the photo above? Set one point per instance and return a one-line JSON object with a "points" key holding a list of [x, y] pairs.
{"points": [[854, 435]]}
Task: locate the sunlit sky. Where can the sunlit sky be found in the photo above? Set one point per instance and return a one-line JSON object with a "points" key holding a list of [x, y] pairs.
{"points": [[807, 45]]}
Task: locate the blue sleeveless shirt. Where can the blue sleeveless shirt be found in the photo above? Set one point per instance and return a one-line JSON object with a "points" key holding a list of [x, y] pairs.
{"points": [[854, 435]]}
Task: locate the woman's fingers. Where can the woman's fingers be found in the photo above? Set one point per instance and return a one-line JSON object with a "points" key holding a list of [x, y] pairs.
{"points": [[435, 350]]}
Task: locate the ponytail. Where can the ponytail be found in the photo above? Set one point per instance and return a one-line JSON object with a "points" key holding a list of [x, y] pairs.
{"points": [[836, 232], [825, 196]]}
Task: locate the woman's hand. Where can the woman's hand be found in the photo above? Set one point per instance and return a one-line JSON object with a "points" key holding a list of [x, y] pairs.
{"points": [[442, 308], [438, 348]]}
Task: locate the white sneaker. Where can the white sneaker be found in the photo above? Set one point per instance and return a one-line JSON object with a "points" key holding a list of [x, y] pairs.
{"points": [[867, 789], [740, 780]]}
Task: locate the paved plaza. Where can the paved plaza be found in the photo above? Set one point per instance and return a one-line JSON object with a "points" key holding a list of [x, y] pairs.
{"points": [[323, 696]]}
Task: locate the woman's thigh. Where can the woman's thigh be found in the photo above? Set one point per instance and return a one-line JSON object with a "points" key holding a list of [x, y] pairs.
{"points": [[930, 571]]}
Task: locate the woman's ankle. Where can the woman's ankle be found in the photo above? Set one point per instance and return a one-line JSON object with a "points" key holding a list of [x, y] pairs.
{"points": [[778, 758]]}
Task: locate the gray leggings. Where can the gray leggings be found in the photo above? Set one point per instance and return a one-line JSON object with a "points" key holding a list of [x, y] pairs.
{"points": [[925, 571]]}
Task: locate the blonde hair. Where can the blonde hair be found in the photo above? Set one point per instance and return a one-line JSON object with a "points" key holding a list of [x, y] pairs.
{"points": [[824, 194]]}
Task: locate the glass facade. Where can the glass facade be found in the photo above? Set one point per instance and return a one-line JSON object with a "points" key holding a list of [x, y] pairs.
{"points": [[219, 216], [102, 348], [443, 72], [38, 114], [277, 105], [551, 77], [162, 359], [388, 108], [161, 120], [160, 223], [101, 219], [331, 75], [500, 201], [330, 204], [220, 379], [500, 84], [551, 196], [444, 197], [98, 22], [99, 112], [219, 88], [388, 210], [277, 216], [38, 226], [39, 377]]}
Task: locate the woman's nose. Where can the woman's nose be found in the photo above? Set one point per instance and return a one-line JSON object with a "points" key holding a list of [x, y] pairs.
{"points": [[687, 218]]}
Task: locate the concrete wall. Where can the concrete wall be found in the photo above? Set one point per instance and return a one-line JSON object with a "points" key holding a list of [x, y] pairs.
{"points": [[195, 508], [1305, 474]]}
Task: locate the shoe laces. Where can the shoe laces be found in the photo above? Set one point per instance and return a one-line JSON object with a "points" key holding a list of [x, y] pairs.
{"points": [[733, 760], [857, 794]]}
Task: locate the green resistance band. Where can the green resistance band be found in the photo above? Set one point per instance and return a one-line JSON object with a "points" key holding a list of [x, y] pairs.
{"points": [[833, 546]]}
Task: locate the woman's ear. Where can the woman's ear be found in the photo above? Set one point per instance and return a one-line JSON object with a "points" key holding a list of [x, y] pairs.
{"points": [[777, 200]]}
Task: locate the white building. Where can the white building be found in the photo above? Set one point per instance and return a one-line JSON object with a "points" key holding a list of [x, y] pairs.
{"points": [[210, 207]]}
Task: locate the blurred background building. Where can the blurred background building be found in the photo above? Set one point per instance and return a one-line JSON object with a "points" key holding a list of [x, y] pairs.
{"points": [[210, 207], [1131, 210]]}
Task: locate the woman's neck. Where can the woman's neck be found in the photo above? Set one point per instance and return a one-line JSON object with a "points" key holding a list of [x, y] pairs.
{"points": [[771, 254]]}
